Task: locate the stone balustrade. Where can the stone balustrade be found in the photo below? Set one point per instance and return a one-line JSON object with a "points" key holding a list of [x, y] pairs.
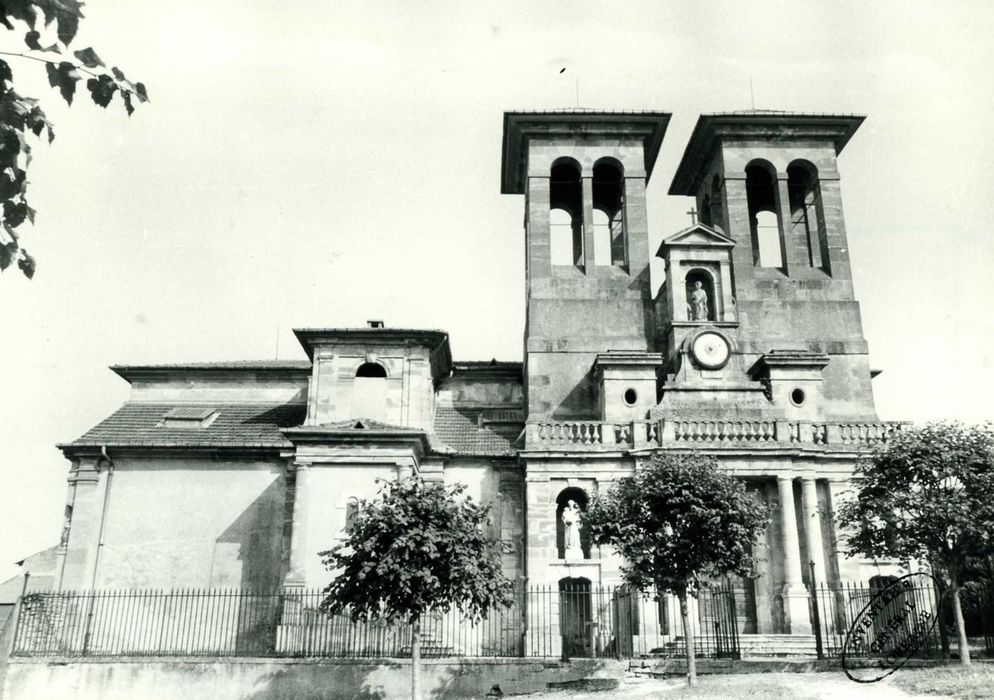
{"points": [[603, 436]]}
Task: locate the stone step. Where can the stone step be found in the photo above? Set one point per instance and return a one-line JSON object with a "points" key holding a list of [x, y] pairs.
{"points": [[766, 645]]}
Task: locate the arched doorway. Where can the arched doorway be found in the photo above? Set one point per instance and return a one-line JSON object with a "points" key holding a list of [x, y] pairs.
{"points": [[576, 617]]}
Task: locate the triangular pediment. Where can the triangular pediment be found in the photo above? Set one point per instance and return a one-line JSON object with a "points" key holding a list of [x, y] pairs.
{"points": [[359, 424], [698, 236]]}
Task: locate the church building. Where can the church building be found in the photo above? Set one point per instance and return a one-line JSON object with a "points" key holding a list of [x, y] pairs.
{"points": [[236, 474]]}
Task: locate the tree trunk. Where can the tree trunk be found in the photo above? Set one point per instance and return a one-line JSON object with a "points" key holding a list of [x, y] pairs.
{"points": [[688, 635], [964, 644], [416, 659]]}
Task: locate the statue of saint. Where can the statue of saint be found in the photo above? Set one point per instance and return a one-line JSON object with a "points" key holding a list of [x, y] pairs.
{"points": [[699, 303], [571, 520]]}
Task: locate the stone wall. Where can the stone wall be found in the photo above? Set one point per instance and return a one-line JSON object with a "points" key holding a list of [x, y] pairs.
{"points": [[287, 679], [179, 523]]}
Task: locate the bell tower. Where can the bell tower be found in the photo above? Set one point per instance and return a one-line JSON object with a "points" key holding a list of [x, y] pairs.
{"points": [[583, 174], [767, 183]]}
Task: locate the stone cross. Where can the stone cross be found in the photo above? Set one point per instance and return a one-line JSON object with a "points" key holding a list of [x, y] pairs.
{"points": [[693, 216]]}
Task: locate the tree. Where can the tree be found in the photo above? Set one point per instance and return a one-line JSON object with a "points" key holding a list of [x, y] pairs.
{"points": [[928, 496], [677, 522], [417, 547], [48, 27]]}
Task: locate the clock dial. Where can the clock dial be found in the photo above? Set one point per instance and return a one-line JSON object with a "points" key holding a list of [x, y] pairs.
{"points": [[710, 350]]}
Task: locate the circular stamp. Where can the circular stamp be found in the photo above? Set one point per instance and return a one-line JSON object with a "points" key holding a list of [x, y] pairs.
{"points": [[892, 627]]}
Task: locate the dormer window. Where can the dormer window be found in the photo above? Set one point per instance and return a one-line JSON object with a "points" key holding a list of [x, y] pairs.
{"points": [[189, 418]]}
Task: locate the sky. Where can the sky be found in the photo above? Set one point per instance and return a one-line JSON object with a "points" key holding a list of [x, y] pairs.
{"points": [[340, 162]]}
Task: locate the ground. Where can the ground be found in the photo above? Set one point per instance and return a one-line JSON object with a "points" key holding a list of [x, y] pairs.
{"points": [[932, 684]]}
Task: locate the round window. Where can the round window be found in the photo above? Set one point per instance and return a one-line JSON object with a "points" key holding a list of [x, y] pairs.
{"points": [[630, 397], [797, 397]]}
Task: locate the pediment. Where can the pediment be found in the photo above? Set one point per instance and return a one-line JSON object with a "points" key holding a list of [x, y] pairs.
{"points": [[697, 236]]}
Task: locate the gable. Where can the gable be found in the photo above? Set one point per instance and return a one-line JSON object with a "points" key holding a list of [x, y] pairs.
{"points": [[698, 235]]}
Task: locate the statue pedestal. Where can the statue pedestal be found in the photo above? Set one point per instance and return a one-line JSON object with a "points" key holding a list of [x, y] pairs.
{"points": [[572, 554]]}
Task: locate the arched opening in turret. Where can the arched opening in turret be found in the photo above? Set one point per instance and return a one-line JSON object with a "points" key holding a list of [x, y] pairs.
{"points": [[369, 391], [767, 233], [806, 216], [608, 197], [565, 213]]}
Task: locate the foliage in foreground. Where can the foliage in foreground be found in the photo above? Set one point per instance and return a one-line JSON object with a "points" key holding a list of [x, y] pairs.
{"points": [[416, 547], [47, 28], [678, 521], [928, 496]]}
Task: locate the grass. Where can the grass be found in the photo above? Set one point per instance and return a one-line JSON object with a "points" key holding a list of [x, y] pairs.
{"points": [[971, 683]]}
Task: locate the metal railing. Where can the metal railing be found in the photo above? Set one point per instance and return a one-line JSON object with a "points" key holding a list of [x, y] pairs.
{"points": [[542, 622], [835, 610]]}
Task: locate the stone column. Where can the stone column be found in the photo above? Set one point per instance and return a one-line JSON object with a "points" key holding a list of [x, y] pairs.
{"points": [[587, 261], [795, 596], [793, 253], [297, 576], [812, 528]]}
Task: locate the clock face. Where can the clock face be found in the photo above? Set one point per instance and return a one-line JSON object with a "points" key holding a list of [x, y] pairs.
{"points": [[710, 350]]}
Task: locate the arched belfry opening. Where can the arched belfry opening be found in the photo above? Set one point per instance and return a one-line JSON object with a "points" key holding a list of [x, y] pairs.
{"points": [[701, 309], [608, 190], [764, 220], [575, 500], [806, 218], [565, 213]]}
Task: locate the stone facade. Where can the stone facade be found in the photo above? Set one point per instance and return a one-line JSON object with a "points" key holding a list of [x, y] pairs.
{"points": [[238, 474]]}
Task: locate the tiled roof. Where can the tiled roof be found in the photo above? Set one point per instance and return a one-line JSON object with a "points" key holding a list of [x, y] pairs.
{"points": [[467, 430], [461, 428], [237, 425]]}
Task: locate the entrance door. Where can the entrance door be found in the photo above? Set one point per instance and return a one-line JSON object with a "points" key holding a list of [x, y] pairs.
{"points": [[575, 617]]}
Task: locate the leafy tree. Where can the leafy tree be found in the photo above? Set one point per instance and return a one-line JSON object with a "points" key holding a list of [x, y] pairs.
{"points": [[928, 496], [48, 27], [417, 547], [678, 521]]}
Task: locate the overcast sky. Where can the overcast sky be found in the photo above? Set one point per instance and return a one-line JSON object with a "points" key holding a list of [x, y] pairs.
{"points": [[341, 162]]}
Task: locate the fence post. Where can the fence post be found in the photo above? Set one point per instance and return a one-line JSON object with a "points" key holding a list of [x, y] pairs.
{"points": [[18, 607], [819, 649]]}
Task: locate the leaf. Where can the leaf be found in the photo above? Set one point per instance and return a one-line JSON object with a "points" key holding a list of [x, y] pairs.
{"points": [[126, 96], [140, 89], [31, 39], [5, 73], [63, 76], [89, 58], [23, 10], [14, 213], [7, 251], [66, 13], [27, 264], [101, 89], [38, 122]]}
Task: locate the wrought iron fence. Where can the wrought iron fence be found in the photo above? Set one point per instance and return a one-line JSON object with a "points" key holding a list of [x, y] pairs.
{"points": [[835, 609], [556, 622]]}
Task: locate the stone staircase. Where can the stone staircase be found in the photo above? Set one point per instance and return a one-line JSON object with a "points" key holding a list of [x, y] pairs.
{"points": [[754, 646]]}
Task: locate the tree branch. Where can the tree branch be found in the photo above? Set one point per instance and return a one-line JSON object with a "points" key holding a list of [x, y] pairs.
{"points": [[40, 59]]}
